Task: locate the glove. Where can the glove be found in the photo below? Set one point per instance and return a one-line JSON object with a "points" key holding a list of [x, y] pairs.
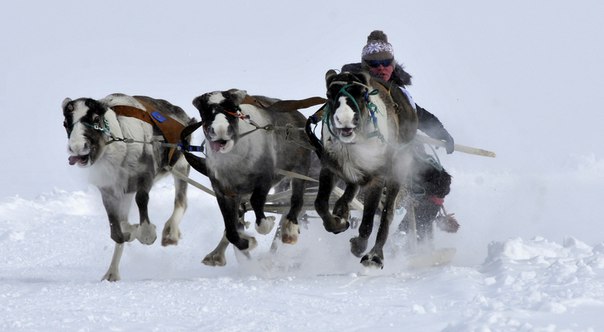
{"points": [[449, 143]]}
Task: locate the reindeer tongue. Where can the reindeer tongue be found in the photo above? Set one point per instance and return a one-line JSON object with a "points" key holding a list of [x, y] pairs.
{"points": [[216, 145], [73, 160], [78, 159]]}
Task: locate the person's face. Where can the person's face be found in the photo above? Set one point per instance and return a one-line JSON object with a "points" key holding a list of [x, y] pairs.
{"points": [[381, 69]]}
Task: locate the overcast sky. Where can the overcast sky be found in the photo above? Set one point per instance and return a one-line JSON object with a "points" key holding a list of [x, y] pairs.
{"points": [[521, 78]]}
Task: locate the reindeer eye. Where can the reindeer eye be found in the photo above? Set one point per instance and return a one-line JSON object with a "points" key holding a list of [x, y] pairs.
{"points": [[67, 128]]}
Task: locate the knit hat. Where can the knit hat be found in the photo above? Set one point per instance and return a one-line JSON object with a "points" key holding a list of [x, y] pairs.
{"points": [[378, 47]]}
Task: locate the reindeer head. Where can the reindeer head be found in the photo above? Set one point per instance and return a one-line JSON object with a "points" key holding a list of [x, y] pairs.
{"points": [[220, 114], [84, 121], [347, 97]]}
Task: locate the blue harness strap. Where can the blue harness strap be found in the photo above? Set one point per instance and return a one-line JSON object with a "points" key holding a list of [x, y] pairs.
{"points": [[158, 116], [169, 127]]}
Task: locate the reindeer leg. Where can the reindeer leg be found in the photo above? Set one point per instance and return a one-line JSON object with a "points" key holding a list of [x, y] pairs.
{"points": [[375, 257], [121, 231], [326, 184], [171, 232], [358, 244], [146, 231], [341, 209], [264, 224], [217, 257], [229, 206], [113, 273], [117, 207], [289, 227]]}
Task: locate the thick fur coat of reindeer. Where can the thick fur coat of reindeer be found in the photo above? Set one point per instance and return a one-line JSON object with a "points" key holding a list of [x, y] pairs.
{"points": [[123, 170], [363, 135], [244, 151]]}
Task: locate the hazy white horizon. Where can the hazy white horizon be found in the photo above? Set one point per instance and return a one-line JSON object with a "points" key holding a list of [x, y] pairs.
{"points": [[519, 78]]}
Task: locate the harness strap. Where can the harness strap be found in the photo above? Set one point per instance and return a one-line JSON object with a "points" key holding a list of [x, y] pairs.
{"points": [[294, 105], [132, 112], [169, 127], [284, 105], [249, 100], [280, 106]]}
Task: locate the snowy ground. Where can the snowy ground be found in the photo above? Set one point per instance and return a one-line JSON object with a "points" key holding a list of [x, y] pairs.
{"points": [[56, 247], [521, 78]]}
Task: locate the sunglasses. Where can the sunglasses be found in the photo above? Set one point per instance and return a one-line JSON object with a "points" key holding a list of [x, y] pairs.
{"points": [[377, 63]]}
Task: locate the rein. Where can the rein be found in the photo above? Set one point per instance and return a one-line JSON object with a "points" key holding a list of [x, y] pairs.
{"points": [[106, 130], [247, 119], [288, 129]]}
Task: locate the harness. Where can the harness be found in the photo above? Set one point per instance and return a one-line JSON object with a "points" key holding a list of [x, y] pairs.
{"points": [[247, 119], [373, 109], [169, 127], [279, 106]]}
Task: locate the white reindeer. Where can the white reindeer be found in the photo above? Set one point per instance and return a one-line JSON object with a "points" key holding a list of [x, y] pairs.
{"points": [[109, 137]]}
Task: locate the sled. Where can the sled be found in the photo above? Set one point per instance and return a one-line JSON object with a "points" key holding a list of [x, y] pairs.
{"points": [[278, 203], [431, 258], [424, 256]]}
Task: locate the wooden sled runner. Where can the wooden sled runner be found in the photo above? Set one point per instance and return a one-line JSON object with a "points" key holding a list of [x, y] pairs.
{"points": [[424, 256]]}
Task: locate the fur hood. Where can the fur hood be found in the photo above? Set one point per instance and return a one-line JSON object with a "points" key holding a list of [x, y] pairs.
{"points": [[399, 77]]}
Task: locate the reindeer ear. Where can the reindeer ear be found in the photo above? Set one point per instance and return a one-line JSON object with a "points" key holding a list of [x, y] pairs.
{"points": [[364, 77], [95, 106], [237, 95], [329, 76], [197, 102], [65, 102]]}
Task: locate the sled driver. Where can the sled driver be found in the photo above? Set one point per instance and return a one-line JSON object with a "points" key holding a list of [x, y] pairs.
{"points": [[430, 182]]}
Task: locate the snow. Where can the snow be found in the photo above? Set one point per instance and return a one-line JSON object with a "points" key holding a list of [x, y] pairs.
{"points": [[519, 78]]}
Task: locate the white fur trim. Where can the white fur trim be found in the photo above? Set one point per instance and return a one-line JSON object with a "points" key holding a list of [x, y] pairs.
{"points": [[406, 92]]}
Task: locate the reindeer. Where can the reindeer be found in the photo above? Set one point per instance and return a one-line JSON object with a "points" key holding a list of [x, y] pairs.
{"points": [[109, 136]]}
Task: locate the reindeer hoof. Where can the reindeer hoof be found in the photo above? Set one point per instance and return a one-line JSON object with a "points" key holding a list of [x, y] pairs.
{"points": [[147, 234], [372, 260], [337, 226], [252, 244], [214, 259], [246, 243], [358, 246], [290, 233], [112, 275], [168, 242], [265, 225], [168, 238]]}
